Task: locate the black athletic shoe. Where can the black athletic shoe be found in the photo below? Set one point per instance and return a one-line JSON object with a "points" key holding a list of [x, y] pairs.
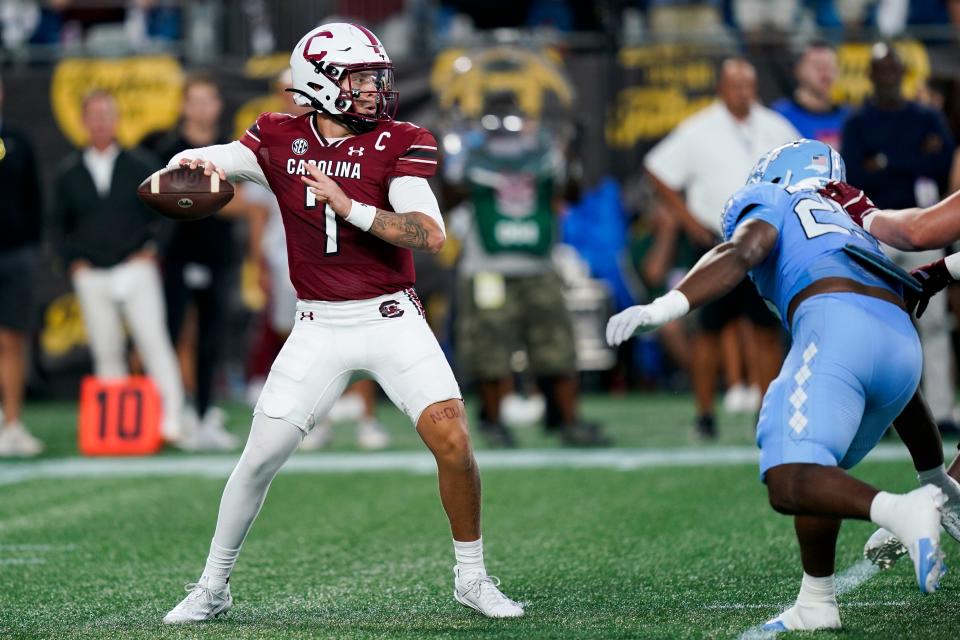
{"points": [[497, 435], [706, 427], [585, 434]]}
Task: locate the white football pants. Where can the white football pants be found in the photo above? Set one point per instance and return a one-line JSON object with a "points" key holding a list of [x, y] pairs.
{"points": [[131, 291], [386, 337]]}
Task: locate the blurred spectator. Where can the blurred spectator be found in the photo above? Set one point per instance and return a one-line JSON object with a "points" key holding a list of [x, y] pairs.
{"points": [[708, 157], [200, 262], [50, 23], [900, 152], [20, 232], [262, 38], [661, 255], [895, 148], [107, 239], [150, 20], [893, 17], [509, 295], [671, 17], [18, 20], [825, 13], [553, 14], [763, 18], [811, 109]]}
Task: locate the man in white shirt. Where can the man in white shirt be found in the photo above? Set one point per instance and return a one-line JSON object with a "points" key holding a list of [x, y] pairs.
{"points": [[106, 238], [695, 169]]}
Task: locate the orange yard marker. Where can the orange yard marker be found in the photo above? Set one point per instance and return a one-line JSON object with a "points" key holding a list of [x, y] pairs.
{"points": [[119, 417]]}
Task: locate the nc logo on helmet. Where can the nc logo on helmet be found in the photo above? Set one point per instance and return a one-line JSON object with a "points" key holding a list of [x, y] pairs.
{"points": [[299, 146]]}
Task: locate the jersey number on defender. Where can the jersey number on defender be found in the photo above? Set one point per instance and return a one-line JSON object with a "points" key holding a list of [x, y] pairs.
{"points": [[804, 210], [329, 220]]}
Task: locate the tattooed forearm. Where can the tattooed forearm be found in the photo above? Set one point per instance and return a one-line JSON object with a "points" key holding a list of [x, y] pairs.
{"points": [[410, 230]]}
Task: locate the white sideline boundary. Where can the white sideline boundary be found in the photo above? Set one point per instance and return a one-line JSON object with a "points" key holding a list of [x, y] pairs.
{"points": [[418, 462]]}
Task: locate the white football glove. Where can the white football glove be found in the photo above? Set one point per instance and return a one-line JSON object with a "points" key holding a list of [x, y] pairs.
{"points": [[645, 317]]}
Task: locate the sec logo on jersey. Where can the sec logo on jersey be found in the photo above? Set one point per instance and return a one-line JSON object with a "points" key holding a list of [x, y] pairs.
{"points": [[299, 146]]}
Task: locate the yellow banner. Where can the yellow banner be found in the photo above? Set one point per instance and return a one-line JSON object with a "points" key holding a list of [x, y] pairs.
{"points": [[853, 84], [673, 82], [462, 79], [147, 89]]}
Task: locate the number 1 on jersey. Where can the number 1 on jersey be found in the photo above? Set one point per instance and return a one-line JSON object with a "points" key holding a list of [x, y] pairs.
{"points": [[329, 220]]}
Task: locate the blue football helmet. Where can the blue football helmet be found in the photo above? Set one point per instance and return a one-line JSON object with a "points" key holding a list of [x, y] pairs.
{"points": [[803, 163]]}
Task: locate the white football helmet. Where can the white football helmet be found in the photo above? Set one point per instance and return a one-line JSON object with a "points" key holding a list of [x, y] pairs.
{"points": [[343, 70]]}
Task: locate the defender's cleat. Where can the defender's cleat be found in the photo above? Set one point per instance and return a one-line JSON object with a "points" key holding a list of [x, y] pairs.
{"points": [[929, 564], [918, 528], [480, 592], [806, 617], [883, 549], [202, 603]]}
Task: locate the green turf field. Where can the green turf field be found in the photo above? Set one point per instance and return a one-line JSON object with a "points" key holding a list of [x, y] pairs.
{"points": [[663, 552]]}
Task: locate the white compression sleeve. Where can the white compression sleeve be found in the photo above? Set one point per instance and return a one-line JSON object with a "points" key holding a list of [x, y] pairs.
{"points": [[235, 158], [271, 442], [952, 262], [412, 193]]}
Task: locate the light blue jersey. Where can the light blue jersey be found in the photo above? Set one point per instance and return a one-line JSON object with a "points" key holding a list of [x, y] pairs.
{"points": [[813, 231], [855, 360]]}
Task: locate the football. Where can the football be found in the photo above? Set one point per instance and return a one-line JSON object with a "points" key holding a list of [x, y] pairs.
{"points": [[182, 193]]}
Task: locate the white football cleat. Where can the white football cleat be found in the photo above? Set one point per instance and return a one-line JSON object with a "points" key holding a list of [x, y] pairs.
{"points": [[201, 603], [213, 430], [735, 399], [918, 529], [517, 410], [480, 592], [372, 436], [883, 549], [16, 441], [806, 617], [348, 408]]}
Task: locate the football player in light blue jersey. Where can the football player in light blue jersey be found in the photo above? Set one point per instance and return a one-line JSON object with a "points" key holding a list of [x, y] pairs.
{"points": [[854, 365]]}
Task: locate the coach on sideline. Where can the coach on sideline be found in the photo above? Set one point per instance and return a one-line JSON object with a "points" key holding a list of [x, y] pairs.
{"points": [[107, 240], [20, 231]]}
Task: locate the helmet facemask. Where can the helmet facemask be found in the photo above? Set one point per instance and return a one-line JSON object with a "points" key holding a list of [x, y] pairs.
{"points": [[367, 93]]}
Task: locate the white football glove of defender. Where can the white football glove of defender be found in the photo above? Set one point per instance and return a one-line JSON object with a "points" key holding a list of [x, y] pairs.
{"points": [[645, 317]]}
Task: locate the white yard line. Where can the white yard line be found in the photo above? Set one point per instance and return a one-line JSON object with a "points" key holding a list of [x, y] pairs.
{"points": [[220, 466], [848, 580], [29, 554], [866, 604]]}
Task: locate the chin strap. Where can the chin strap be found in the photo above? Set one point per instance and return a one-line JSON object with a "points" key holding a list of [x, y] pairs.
{"points": [[310, 99], [355, 125]]}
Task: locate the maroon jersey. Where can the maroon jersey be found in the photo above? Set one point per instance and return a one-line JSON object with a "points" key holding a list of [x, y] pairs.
{"points": [[330, 259]]}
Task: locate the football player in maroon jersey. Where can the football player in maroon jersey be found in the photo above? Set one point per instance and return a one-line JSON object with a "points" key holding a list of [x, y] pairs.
{"points": [[351, 183]]}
